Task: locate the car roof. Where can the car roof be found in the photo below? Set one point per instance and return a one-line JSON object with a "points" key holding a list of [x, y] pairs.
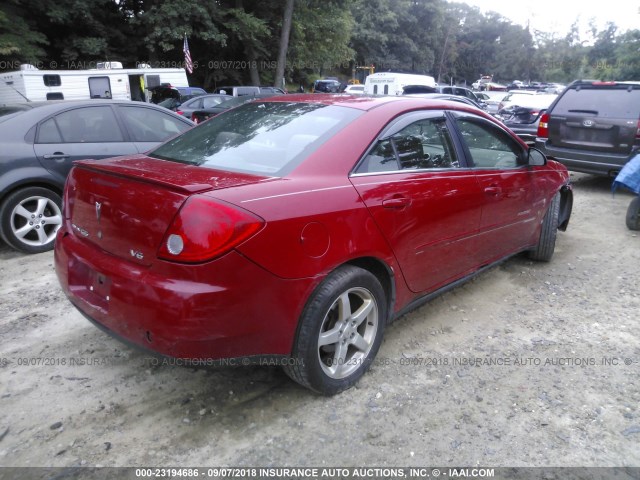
{"points": [[209, 95], [370, 102], [43, 109], [189, 89], [603, 84]]}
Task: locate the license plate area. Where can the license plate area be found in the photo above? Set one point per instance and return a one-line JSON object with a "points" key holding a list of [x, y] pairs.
{"points": [[91, 286]]}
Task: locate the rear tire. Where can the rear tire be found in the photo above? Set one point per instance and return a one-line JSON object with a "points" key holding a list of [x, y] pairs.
{"points": [[30, 219], [633, 214], [340, 331], [548, 233]]}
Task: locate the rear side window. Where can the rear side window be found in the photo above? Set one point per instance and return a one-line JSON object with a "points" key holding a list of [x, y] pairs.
{"points": [[424, 144], [150, 125], [209, 102], [603, 102], [81, 125]]}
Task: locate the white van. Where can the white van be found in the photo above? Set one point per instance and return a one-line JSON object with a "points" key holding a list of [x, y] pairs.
{"points": [[389, 83]]}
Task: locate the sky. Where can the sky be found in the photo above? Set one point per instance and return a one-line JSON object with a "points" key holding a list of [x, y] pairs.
{"points": [[558, 15]]}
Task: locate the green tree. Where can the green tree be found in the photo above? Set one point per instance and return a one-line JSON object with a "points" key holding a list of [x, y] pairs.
{"points": [[19, 42], [627, 54]]}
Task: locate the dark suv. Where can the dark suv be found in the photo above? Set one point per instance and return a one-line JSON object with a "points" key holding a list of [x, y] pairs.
{"points": [[592, 127]]}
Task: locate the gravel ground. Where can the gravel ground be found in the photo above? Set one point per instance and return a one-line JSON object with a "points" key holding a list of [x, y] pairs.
{"points": [[529, 364]]}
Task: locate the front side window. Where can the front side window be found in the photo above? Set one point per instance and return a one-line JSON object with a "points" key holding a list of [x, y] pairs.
{"points": [[150, 125], [81, 125], [488, 145], [261, 138], [424, 144]]}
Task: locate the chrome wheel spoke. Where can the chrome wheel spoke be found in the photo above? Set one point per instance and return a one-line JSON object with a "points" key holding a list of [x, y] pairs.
{"points": [[360, 343], [363, 312], [344, 307], [53, 220], [339, 357], [42, 236], [21, 232], [23, 212], [42, 206], [329, 337]]}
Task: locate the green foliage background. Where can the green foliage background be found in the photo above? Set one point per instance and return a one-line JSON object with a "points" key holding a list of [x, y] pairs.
{"points": [[237, 41]]}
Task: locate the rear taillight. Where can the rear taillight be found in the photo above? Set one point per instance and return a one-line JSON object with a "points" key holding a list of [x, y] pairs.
{"points": [[179, 112], [543, 126], [194, 118], [205, 229]]}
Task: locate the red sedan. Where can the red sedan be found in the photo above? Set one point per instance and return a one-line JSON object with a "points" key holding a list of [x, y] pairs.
{"points": [[295, 228]]}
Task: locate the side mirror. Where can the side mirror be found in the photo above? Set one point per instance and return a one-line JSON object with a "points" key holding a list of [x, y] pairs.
{"points": [[535, 158]]}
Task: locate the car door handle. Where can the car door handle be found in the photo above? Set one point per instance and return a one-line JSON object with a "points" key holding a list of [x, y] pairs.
{"points": [[56, 156], [396, 202], [495, 191]]}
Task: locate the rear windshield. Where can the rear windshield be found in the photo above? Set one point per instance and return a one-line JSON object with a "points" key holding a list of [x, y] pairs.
{"points": [[604, 102], [260, 138]]}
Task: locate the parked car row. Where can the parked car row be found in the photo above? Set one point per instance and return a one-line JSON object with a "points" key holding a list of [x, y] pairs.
{"points": [[204, 113], [184, 100], [592, 127]]}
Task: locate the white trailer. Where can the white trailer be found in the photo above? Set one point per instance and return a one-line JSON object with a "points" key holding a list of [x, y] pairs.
{"points": [[31, 84], [389, 83]]}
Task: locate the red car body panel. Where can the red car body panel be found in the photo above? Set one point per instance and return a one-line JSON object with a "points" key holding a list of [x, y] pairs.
{"points": [[426, 229]]}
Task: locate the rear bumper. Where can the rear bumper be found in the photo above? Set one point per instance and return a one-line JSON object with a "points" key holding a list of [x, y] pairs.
{"points": [[584, 161], [228, 308]]}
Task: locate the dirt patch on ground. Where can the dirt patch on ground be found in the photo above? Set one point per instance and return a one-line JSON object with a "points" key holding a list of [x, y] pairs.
{"points": [[527, 365]]}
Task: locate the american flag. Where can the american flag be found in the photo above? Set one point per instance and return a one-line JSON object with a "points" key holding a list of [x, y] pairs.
{"points": [[188, 63]]}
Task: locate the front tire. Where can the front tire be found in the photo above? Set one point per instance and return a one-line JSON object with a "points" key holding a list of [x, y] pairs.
{"points": [[30, 219], [543, 251], [340, 331], [633, 214]]}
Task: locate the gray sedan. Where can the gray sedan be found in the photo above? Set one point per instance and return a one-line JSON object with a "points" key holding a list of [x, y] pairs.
{"points": [[40, 144], [199, 103]]}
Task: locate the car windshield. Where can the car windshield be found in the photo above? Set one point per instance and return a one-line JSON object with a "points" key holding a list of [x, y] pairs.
{"points": [[261, 138]]}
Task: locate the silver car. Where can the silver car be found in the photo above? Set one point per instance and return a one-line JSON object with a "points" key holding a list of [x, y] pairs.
{"points": [[39, 145]]}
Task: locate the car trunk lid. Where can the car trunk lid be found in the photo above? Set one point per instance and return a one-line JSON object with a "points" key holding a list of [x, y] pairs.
{"points": [[125, 205]]}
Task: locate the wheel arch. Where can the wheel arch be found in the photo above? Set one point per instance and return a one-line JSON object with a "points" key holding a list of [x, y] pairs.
{"points": [[566, 205], [385, 276], [20, 180]]}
